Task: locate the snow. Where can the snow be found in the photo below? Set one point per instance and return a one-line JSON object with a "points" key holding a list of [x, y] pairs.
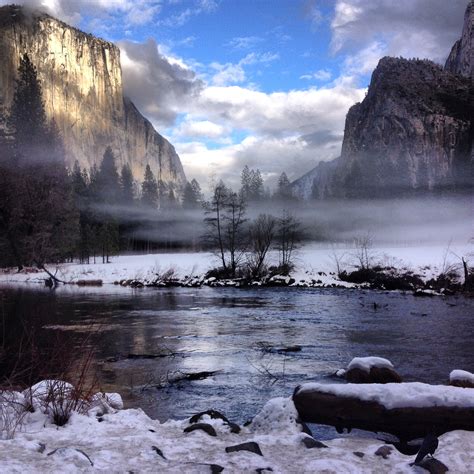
{"points": [[366, 363], [461, 375], [315, 265], [400, 395], [128, 440]]}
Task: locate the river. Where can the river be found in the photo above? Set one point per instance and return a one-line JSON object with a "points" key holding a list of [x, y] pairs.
{"points": [[238, 333]]}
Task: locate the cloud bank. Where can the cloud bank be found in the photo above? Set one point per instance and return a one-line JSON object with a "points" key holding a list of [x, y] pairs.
{"points": [[219, 120]]}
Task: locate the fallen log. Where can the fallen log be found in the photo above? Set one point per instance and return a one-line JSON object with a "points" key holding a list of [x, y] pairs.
{"points": [[406, 410], [89, 282]]}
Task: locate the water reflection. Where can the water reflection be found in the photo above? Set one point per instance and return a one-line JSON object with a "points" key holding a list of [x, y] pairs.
{"points": [[224, 330]]}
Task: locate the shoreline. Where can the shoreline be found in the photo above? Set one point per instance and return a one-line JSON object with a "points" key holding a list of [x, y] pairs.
{"points": [[106, 437], [402, 268]]}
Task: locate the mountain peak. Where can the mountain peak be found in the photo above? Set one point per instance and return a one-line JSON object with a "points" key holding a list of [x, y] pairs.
{"points": [[461, 59], [81, 78]]}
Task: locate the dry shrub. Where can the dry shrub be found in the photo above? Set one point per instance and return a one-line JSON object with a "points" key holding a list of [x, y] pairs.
{"points": [[68, 379], [12, 413]]}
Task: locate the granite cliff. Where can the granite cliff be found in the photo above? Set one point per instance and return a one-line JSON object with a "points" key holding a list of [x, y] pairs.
{"points": [[412, 133], [461, 59], [81, 79]]}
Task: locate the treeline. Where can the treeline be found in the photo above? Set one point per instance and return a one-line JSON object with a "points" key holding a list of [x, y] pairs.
{"points": [[48, 214], [37, 215], [117, 215]]}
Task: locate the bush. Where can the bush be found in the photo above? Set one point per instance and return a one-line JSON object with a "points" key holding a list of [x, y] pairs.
{"points": [[283, 269], [377, 277], [226, 273]]}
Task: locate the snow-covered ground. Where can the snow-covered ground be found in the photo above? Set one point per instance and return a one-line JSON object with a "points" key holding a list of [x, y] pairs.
{"points": [[129, 441], [313, 262]]}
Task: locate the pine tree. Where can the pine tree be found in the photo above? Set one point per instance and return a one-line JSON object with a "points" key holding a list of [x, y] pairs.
{"points": [[108, 182], [256, 186], [251, 184], [246, 182], [283, 189], [192, 195], [40, 221], [172, 200], [27, 118], [149, 189], [163, 193], [197, 190], [126, 185]]}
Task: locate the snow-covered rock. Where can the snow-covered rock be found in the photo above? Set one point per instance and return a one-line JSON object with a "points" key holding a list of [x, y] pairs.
{"points": [[366, 363], [371, 370], [461, 378]]}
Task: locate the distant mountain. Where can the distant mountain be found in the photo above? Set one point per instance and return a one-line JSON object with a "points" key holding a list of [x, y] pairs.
{"points": [[412, 133], [81, 78]]}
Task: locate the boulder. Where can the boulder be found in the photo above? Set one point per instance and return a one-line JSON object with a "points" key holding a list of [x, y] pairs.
{"points": [[250, 446], [371, 370], [206, 427], [461, 378]]}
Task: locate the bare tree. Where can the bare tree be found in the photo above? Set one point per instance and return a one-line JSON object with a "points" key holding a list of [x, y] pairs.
{"points": [[214, 210], [288, 237], [262, 234], [234, 220], [225, 219], [364, 254], [337, 258]]}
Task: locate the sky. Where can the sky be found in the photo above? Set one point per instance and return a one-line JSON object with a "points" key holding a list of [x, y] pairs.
{"points": [[263, 83]]}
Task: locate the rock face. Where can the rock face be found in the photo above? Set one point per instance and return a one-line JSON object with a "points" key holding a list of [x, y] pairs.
{"points": [[81, 79], [461, 59], [412, 133]]}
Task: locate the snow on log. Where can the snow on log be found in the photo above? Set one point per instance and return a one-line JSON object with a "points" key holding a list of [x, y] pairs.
{"points": [[407, 410]]}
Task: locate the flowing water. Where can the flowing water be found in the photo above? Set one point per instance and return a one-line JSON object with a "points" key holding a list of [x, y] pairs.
{"points": [[238, 333]]}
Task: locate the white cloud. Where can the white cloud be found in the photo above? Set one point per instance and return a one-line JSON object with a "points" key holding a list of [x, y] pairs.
{"points": [[234, 73], [321, 75], [282, 131], [279, 113], [287, 131], [160, 85], [200, 128], [196, 8], [113, 12], [228, 73], [244, 42], [411, 28], [271, 155], [365, 60]]}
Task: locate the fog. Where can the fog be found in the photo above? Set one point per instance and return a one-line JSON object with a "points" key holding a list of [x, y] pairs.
{"points": [[410, 221]]}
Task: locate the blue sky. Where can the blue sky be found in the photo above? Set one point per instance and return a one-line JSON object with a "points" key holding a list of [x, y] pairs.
{"points": [[260, 82]]}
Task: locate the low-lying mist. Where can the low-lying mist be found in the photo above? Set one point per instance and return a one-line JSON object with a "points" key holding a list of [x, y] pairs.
{"points": [[413, 221]]}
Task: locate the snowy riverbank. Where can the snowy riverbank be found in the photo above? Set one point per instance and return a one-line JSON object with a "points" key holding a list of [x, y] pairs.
{"points": [[130, 441], [316, 266]]}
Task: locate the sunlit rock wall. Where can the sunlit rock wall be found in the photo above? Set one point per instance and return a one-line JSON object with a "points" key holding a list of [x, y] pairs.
{"points": [[82, 90]]}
